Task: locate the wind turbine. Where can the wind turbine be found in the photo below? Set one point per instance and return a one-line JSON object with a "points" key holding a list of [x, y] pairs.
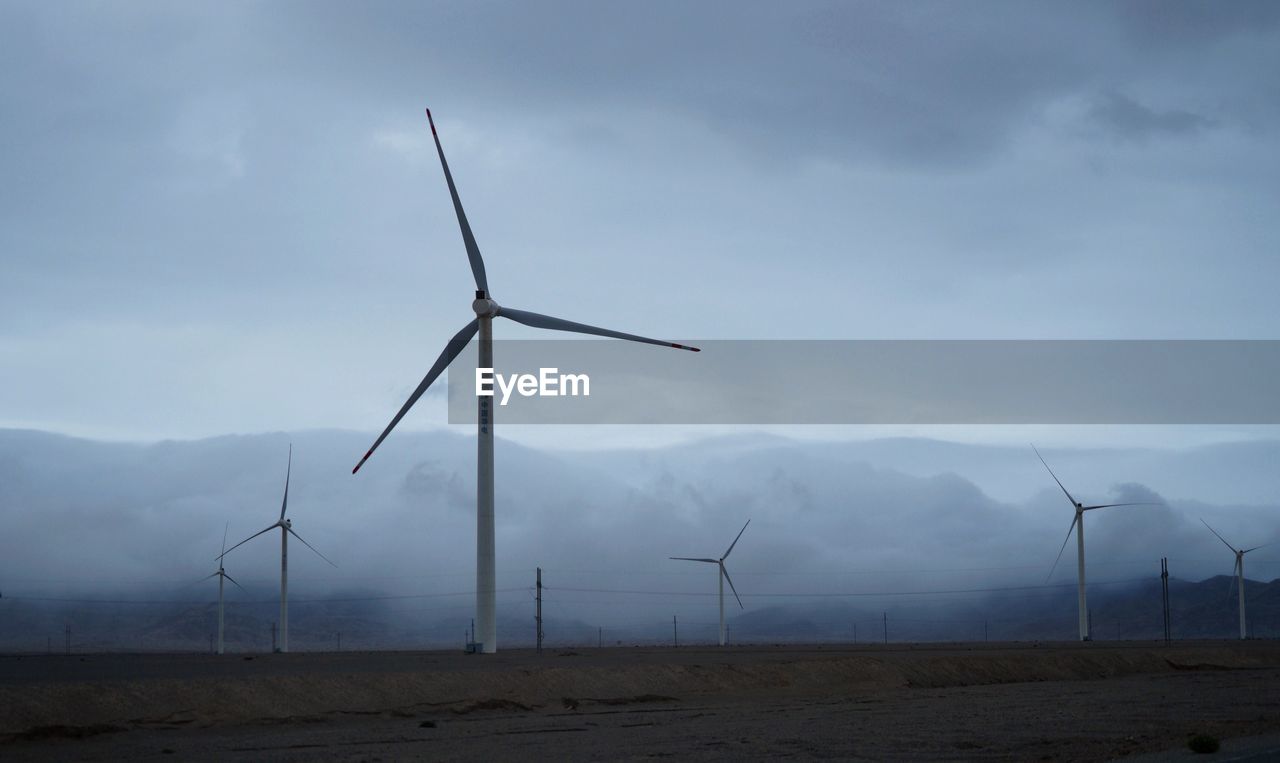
{"points": [[1239, 572], [486, 309], [222, 575], [723, 576], [1077, 524], [286, 529]]}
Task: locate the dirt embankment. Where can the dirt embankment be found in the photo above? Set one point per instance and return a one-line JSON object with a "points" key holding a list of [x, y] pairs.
{"points": [[381, 684]]}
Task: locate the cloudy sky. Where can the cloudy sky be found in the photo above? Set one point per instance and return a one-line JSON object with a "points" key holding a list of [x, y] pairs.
{"points": [[229, 218]]}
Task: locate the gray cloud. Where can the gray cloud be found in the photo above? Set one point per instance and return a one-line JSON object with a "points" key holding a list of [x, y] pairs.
{"points": [[1130, 120], [232, 219]]}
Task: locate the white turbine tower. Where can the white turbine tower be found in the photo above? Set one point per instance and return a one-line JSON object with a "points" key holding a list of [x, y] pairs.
{"points": [[723, 576], [486, 309], [1239, 572], [286, 528], [1077, 524], [222, 575]]}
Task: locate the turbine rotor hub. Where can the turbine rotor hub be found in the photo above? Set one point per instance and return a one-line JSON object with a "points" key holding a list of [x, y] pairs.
{"points": [[483, 306]]}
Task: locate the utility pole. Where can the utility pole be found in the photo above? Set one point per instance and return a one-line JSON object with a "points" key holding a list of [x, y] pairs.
{"points": [[675, 631], [886, 627], [538, 616], [1164, 595]]}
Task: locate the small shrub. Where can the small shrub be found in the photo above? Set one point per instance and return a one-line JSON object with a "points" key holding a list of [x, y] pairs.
{"points": [[1203, 743]]}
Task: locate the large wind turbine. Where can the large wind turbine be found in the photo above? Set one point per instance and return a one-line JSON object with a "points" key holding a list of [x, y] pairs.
{"points": [[486, 309], [1077, 524], [723, 576], [222, 575], [1239, 572], [286, 528]]}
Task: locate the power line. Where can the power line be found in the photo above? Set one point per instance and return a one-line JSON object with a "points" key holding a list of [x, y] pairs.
{"points": [[846, 594], [259, 601]]}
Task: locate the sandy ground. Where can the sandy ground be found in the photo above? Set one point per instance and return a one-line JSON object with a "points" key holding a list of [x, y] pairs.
{"points": [[941, 702]]}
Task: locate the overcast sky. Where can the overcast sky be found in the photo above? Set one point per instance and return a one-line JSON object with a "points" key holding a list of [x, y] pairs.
{"points": [[229, 217]]}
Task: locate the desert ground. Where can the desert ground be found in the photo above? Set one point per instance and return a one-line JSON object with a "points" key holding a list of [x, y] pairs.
{"points": [[887, 702]]}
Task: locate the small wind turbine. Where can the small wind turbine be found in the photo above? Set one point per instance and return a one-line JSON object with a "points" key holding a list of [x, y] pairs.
{"points": [[486, 309], [222, 575], [1077, 524], [286, 528], [723, 576], [1239, 572]]}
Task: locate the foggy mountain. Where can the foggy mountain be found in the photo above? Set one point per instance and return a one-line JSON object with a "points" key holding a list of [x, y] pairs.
{"points": [[114, 539]]}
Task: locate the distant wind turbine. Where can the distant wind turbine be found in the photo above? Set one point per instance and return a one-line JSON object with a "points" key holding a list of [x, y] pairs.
{"points": [[486, 309], [286, 529], [222, 575], [723, 576], [1239, 572], [1077, 524]]}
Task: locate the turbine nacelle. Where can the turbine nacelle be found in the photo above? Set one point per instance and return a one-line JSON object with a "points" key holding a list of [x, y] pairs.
{"points": [[483, 306]]}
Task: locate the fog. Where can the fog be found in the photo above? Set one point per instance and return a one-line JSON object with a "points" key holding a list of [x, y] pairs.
{"points": [[901, 523]]}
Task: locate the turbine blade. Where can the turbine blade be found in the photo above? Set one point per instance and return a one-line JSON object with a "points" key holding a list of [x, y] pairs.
{"points": [[451, 350], [539, 321], [692, 559], [308, 545], [1264, 545], [206, 577], [287, 471], [735, 541], [1055, 477], [1109, 505], [468, 239], [1074, 519], [246, 540], [725, 572], [1235, 570], [1215, 532], [233, 580], [225, 530]]}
